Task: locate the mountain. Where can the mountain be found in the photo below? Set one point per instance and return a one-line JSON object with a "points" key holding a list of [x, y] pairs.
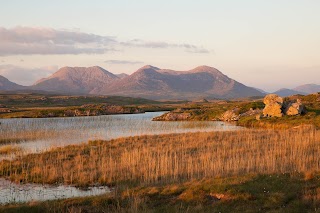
{"points": [[122, 75], [7, 85], [308, 88], [201, 82], [76, 80], [284, 92], [260, 90]]}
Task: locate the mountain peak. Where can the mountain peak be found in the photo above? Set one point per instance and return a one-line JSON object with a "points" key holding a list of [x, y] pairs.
{"points": [[308, 88], [205, 68], [149, 67], [76, 80], [203, 81]]}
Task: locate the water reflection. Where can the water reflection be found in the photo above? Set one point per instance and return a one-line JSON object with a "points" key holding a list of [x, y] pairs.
{"points": [[11, 192], [35, 135]]}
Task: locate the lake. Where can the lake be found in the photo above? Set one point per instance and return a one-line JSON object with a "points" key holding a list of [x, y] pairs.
{"points": [[38, 134], [15, 193]]}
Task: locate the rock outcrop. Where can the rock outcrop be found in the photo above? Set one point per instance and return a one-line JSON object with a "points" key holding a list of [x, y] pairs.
{"points": [[235, 115], [295, 108], [176, 115], [230, 115], [273, 106], [91, 110]]}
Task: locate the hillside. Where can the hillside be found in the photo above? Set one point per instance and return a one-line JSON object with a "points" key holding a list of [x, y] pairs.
{"points": [[147, 82], [284, 92], [7, 85], [76, 80], [308, 88], [201, 82]]}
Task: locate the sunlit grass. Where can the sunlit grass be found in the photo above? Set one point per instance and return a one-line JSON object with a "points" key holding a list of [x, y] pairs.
{"points": [[172, 158], [9, 149]]}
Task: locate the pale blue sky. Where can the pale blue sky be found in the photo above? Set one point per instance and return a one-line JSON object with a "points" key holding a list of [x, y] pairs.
{"points": [[266, 44]]}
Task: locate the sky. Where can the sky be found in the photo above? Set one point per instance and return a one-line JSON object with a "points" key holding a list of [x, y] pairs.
{"points": [[265, 44]]}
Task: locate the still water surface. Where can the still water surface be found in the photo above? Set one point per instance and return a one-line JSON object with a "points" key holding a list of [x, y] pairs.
{"points": [[11, 192], [36, 135]]}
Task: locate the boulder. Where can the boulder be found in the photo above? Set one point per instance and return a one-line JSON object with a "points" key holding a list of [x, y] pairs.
{"points": [[276, 107], [272, 98], [295, 108], [173, 116], [273, 106], [230, 115], [273, 110]]}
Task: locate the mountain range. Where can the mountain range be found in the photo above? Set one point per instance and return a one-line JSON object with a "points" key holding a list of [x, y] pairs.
{"points": [[147, 82], [302, 90], [5, 84]]}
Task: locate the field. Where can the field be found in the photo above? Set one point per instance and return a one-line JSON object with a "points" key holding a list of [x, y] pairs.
{"points": [[33, 105], [273, 168], [196, 171]]}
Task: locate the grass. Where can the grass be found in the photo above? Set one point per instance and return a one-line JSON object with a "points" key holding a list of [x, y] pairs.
{"points": [[33, 105], [9, 149], [275, 169], [28, 100], [248, 193], [171, 158]]}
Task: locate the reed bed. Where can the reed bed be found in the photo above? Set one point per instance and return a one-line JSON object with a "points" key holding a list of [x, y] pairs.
{"points": [[47, 132], [171, 158]]}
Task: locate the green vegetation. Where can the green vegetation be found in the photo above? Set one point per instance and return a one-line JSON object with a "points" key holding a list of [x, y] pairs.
{"points": [[29, 100], [250, 193], [32, 105], [312, 117], [274, 169]]}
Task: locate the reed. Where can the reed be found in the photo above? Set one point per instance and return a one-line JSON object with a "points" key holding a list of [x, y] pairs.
{"points": [[9, 149], [172, 158]]}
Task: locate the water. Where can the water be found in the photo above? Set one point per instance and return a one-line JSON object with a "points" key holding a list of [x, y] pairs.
{"points": [[36, 135], [14, 193]]}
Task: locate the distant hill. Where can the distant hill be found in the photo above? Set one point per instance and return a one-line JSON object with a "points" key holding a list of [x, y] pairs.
{"points": [[284, 92], [154, 83], [308, 88], [150, 82], [122, 75], [260, 90], [7, 85], [76, 80]]}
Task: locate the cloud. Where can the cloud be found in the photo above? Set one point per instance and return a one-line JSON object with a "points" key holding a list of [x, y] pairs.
{"points": [[48, 41], [160, 44], [32, 40], [198, 50], [25, 76], [123, 62]]}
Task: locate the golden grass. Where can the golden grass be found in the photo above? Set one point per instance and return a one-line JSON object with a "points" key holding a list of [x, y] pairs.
{"points": [[172, 158], [9, 149]]}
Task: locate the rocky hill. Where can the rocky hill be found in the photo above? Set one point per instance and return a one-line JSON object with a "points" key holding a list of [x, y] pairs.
{"points": [[149, 82], [76, 80], [7, 85], [284, 92], [201, 82], [308, 88]]}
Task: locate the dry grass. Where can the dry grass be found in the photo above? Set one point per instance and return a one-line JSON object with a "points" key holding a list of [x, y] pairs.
{"points": [[172, 158], [9, 149], [28, 135]]}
